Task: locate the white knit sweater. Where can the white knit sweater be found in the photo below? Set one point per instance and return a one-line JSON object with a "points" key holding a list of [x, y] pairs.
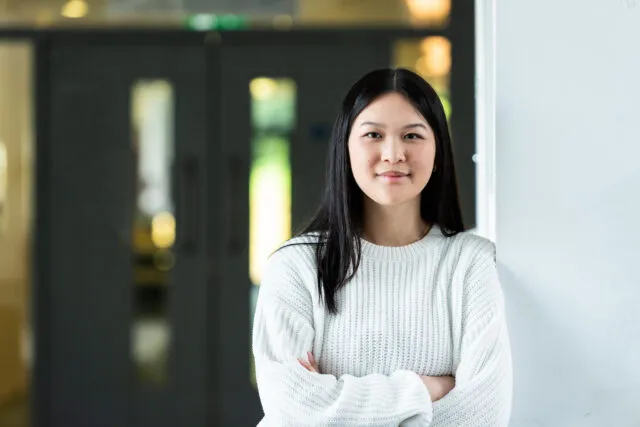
{"points": [[434, 307]]}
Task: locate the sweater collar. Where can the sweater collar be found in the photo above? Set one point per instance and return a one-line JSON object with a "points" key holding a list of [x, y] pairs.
{"points": [[400, 253]]}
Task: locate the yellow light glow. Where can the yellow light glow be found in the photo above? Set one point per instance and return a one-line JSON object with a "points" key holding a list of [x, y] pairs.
{"points": [[429, 10], [262, 88], [75, 9], [436, 57], [270, 216], [283, 22], [163, 230]]}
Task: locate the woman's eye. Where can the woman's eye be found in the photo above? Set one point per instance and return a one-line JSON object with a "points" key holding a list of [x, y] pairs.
{"points": [[412, 136], [374, 135]]}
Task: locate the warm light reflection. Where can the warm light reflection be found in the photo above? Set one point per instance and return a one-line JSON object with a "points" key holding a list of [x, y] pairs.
{"points": [[430, 57], [163, 230], [75, 9], [273, 117], [436, 57], [262, 88], [429, 10]]}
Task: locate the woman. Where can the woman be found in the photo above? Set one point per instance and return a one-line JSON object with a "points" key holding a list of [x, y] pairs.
{"points": [[383, 312]]}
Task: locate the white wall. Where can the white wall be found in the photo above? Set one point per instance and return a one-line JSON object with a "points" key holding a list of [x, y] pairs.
{"points": [[568, 207]]}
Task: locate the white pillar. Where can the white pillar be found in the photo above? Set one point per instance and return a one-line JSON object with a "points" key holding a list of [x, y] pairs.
{"points": [[568, 207], [485, 119]]}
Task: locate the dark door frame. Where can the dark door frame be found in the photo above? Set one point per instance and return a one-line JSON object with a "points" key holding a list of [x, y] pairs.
{"points": [[42, 408]]}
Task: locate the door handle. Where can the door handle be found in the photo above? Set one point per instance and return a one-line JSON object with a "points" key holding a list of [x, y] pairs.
{"points": [[238, 173], [190, 198]]}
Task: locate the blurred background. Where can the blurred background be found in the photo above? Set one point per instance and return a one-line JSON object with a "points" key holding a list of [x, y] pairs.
{"points": [[152, 155], [154, 152]]}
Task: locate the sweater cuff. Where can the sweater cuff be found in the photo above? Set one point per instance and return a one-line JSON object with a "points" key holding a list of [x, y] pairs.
{"points": [[425, 414]]}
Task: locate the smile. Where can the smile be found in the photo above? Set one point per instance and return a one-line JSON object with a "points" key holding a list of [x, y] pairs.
{"points": [[393, 177]]}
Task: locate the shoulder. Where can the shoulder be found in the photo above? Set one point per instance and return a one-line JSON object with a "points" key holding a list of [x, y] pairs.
{"points": [[287, 282], [473, 246], [476, 266], [468, 252], [296, 252], [294, 262]]}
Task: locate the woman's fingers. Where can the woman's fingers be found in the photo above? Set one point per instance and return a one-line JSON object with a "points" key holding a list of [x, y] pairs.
{"points": [[311, 365], [305, 365], [312, 361]]}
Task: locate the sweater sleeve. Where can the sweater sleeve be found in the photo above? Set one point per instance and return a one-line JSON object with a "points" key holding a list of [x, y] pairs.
{"points": [[483, 391], [291, 395]]}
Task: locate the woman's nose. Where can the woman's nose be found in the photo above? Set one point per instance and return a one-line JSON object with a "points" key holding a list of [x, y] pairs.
{"points": [[393, 151]]}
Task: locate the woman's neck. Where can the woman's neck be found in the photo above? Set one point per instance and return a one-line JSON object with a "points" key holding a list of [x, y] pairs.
{"points": [[393, 225]]}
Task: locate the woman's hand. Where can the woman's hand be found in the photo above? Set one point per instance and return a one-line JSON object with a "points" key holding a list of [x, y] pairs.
{"points": [[438, 387], [310, 365]]}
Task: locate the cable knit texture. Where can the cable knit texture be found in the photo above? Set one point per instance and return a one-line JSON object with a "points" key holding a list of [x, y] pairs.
{"points": [[434, 307]]}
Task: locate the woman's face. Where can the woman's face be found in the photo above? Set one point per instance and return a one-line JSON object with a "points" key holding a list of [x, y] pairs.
{"points": [[392, 151]]}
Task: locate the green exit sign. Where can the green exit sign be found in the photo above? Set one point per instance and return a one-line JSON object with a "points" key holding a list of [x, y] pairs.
{"points": [[212, 22]]}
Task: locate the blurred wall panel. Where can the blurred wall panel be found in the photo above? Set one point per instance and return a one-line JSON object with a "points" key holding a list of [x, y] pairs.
{"points": [[16, 169], [352, 11]]}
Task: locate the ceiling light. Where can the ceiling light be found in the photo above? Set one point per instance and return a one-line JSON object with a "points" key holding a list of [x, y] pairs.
{"points": [[75, 9]]}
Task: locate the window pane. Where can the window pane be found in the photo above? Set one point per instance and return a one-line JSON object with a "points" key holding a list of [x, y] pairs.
{"points": [[16, 209], [154, 227], [273, 109], [431, 58]]}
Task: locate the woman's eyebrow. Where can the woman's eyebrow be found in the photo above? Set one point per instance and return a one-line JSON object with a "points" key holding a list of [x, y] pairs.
{"points": [[409, 126]]}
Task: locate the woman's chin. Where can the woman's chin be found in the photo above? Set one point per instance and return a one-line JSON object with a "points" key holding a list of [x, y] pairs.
{"points": [[390, 200]]}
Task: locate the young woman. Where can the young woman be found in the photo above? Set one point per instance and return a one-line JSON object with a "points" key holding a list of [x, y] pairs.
{"points": [[384, 312]]}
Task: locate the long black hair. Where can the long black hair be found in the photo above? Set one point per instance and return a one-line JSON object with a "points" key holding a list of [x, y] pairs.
{"points": [[338, 220]]}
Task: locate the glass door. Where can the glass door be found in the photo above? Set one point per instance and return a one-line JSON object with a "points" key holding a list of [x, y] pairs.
{"points": [[122, 250], [280, 95]]}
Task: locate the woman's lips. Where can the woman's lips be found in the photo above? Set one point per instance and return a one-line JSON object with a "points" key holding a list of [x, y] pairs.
{"points": [[393, 176]]}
